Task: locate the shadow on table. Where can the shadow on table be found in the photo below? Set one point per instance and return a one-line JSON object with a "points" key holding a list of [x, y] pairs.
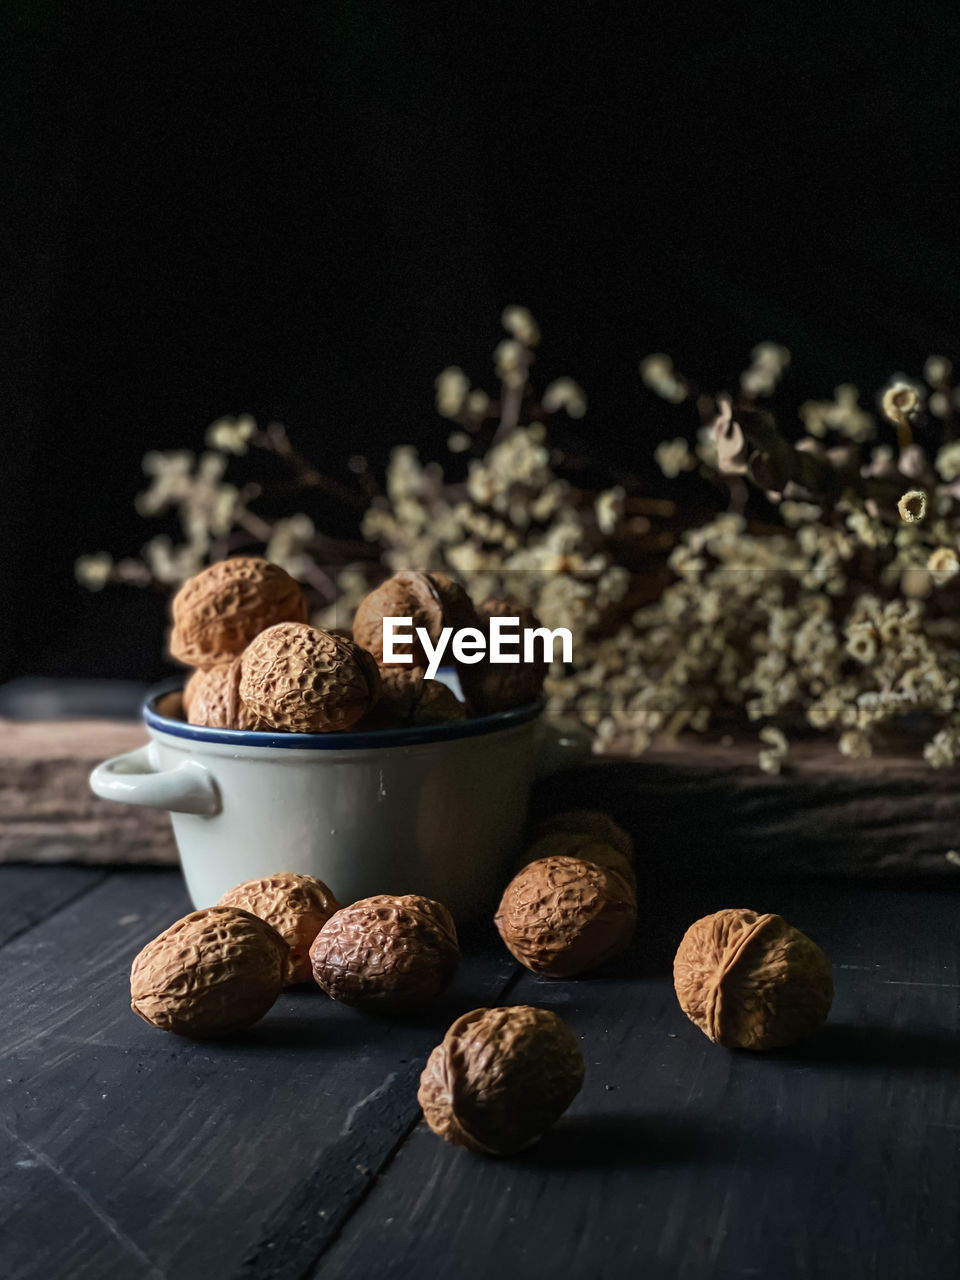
{"points": [[843, 1044], [617, 1142]]}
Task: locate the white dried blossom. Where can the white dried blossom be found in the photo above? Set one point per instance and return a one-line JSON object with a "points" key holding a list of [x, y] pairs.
{"points": [[937, 370], [674, 456], [510, 362], [843, 414], [231, 435], [609, 508], [948, 461], [564, 393], [943, 565], [94, 572], [289, 543], [452, 386], [477, 405], [901, 400], [769, 363], [913, 506], [520, 323], [659, 375]]}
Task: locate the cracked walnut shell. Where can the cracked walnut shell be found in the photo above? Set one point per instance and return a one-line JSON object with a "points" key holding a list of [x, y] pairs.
{"points": [[218, 611], [212, 973], [500, 1079], [562, 916], [386, 954], [296, 906], [751, 981], [303, 680]]}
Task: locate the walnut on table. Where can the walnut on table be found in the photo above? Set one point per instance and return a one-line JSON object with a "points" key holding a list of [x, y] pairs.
{"points": [[210, 974], [297, 906], [386, 954], [500, 1079], [561, 916], [751, 981]]}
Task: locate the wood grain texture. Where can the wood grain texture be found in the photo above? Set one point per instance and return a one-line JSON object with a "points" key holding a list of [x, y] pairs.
{"points": [[30, 894], [683, 1161], [160, 1157], [48, 812], [699, 809], [695, 808]]}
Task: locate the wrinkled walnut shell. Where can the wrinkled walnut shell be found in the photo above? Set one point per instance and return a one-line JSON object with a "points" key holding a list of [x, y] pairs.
{"points": [[587, 822], [496, 686], [299, 679], [431, 600], [437, 704], [562, 916], [212, 973], [751, 981], [296, 906], [386, 954], [212, 698], [500, 1079], [218, 612], [408, 698], [574, 844]]}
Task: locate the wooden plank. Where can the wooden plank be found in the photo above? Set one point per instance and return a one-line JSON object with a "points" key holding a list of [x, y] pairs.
{"points": [[29, 894], [698, 809], [182, 1159], [683, 1161], [48, 812]]}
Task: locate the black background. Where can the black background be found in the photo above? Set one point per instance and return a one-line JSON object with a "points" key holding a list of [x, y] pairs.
{"points": [[305, 210]]}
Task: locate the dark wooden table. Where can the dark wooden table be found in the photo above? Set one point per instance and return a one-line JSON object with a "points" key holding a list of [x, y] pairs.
{"points": [[298, 1150]]}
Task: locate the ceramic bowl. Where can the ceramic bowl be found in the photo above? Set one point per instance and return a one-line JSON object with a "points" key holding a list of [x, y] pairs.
{"points": [[437, 810]]}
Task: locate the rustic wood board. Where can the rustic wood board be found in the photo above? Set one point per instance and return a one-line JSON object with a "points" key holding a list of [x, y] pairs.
{"points": [[297, 1149], [30, 894], [695, 808], [682, 1161], [48, 812], [153, 1156], [700, 809]]}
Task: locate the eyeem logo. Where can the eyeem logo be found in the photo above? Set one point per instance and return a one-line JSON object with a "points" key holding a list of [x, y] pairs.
{"points": [[505, 643]]}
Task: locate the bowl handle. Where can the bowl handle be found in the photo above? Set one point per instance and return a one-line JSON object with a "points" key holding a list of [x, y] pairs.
{"points": [[131, 779], [560, 746]]}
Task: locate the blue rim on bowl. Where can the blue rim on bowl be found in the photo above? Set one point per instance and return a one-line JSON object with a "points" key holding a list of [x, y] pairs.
{"points": [[411, 737]]}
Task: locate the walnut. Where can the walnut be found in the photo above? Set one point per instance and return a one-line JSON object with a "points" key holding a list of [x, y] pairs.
{"points": [[296, 906], [407, 697], [386, 954], [219, 611], [400, 688], [588, 848], [494, 686], [561, 916], [752, 981], [500, 1079], [432, 600], [212, 698], [588, 822], [437, 705], [212, 973], [303, 680]]}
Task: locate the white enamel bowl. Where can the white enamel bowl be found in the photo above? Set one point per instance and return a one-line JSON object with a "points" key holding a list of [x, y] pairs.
{"points": [[438, 810]]}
